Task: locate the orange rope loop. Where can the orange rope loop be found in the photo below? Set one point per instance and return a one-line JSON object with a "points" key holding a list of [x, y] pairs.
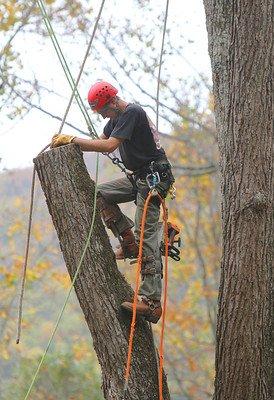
{"points": [[161, 349], [152, 193]]}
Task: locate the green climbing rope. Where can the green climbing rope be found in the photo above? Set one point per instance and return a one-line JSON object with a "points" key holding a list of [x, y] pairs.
{"points": [[71, 286], [66, 68], [93, 215]]}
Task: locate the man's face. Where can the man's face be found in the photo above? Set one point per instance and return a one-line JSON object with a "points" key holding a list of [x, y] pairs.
{"points": [[107, 111], [110, 110]]}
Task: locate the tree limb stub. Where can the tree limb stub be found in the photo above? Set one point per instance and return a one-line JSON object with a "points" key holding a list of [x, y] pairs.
{"points": [[100, 287]]}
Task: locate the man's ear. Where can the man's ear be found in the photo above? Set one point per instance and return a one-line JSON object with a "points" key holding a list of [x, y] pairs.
{"points": [[113, 102]]}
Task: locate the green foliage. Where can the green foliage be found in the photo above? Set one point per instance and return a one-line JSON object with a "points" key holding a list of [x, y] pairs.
{"points": [[64, 376], [71, 370], [17, 17]]}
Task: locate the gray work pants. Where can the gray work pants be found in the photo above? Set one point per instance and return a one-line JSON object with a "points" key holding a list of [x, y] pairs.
{"points": [[121, 191]]}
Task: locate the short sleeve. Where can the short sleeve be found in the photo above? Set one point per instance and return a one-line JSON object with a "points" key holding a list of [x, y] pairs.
{"points": [[125, 125], [108, 129]]}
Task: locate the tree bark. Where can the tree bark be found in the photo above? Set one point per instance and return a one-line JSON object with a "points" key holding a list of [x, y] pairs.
{"points": [[240, 37], [100, 287]]}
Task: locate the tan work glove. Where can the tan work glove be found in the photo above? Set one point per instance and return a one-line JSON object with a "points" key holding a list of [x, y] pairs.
{"points": [[60, 140]]}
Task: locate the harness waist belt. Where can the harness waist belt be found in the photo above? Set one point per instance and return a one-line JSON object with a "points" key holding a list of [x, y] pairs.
{"points": [[160, 165]]}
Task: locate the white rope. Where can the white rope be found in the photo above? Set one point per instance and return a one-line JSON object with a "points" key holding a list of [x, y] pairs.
{"points": [[160, 68]]}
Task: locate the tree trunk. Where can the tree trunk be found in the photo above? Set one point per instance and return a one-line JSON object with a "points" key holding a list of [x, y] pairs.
{"points": [[100, 287], [240, 47]]}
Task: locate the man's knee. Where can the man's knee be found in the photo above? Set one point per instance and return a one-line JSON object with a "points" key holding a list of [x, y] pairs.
{"points": [[103, 191], [110, 213], [149, 266]]}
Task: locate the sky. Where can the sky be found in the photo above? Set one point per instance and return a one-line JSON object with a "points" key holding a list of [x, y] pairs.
{"points": [[21, 140]]}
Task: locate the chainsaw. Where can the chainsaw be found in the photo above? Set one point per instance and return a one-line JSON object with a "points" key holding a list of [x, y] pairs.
{"points": [[174, 242]]}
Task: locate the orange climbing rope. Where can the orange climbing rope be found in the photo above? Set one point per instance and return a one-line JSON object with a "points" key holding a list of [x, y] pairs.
{"points": [[152, 193], [161, 348]]}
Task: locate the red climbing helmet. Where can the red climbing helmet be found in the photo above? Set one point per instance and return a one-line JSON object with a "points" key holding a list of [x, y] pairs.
{"points": [[100, 94]]}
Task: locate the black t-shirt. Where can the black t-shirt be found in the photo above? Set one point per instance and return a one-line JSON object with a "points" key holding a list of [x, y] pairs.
{"points": [[141, 143]]}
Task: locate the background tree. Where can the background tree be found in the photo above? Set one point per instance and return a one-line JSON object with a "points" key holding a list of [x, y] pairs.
{"points": [[240, 46]]}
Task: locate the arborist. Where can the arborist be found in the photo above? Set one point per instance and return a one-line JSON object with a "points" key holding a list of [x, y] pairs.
{"points": [[130, 130]]}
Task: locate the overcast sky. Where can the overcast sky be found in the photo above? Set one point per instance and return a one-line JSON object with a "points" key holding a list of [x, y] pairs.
{"points": [[20, 141]]}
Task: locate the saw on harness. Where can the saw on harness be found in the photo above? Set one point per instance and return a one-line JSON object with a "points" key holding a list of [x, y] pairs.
{"points": [[174, 242]]}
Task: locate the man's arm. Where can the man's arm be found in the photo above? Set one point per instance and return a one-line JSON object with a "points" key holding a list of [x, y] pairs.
{"points": [[107, 145]]}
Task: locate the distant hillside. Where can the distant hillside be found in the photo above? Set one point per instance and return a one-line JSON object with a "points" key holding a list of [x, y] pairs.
{"points": [[16, 182], [15, 186]]}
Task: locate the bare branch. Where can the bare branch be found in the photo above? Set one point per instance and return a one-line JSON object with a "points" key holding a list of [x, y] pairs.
{"points": [[23, 21]]}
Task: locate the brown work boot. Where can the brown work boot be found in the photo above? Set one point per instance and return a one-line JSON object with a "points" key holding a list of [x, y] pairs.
{"points": [[151, 310], [129, 248]]}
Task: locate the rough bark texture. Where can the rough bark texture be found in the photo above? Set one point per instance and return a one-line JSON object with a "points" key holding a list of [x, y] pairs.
{"points": [[240, 46], [100, 287]]}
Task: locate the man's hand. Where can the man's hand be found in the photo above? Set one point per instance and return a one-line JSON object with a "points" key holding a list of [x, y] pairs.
{"points": [[60, 140]]}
